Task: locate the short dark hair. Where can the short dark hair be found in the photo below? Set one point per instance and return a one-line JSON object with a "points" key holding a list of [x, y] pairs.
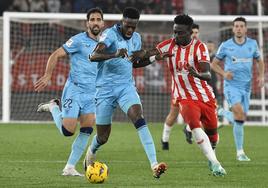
{"points": [[195, 26], [241, 19], [94, 10], [184, 19], [131, 12]]}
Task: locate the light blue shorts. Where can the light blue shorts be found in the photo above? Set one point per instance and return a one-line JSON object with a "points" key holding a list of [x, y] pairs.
{"points": [[75, 101], [108, 97], [235, 95]]}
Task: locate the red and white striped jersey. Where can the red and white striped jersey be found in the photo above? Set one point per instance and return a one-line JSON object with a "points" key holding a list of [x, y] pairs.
{"points": [[185, 86]]}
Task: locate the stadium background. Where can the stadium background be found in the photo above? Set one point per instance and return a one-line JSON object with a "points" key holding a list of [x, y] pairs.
{"points": [[32, 42]]}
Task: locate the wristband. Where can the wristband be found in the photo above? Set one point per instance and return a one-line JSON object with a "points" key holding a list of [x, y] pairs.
{"points": [[152, 59]]}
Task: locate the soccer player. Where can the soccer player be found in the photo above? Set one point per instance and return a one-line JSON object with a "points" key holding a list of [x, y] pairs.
{"points": [[238, 54], [175, 109], [79, 90], [118, 51], [190, 70]]}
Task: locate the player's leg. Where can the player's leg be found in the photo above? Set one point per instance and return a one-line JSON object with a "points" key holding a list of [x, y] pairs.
{"points": [[191, 112], [129, 102], [104, 111], [170, 120], [235, 98]]}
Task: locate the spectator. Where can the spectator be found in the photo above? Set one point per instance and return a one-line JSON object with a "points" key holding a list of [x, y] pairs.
{"points": [[66, 6], [53, 5], [19, 6], [37, 5]]}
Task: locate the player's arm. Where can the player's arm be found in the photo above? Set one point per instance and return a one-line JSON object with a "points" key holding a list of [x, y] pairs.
{"points": [[217, 68], [203, 73], [100, 54], [261, 68], [51, 63], [143, 58]]}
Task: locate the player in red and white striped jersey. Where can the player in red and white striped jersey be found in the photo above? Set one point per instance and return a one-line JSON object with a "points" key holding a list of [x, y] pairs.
{"points": [[175, 108], [190, 70]]}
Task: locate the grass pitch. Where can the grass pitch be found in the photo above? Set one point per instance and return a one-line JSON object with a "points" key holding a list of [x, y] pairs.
{"points": [[33, 156]]}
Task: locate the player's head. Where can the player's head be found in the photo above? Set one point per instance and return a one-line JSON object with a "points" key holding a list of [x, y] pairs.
{"points": [[95, 21], [240, 27], [195, 30], [130, 21], [211, 46], [182, 29]]}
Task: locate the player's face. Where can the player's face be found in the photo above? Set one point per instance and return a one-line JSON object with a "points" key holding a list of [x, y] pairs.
{"points": [[195, 33], [95, 23], [182, 34], [128, 27], [239, 29]]}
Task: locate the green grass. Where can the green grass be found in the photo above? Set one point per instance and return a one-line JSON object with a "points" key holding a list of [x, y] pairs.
{"points": [[33, 156]]}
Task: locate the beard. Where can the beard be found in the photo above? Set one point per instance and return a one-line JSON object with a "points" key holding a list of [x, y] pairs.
{"points": [[95, 30]]}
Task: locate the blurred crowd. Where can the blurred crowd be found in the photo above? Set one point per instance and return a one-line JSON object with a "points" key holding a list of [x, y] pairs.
{"points": [[227, 7], [108, 6]]}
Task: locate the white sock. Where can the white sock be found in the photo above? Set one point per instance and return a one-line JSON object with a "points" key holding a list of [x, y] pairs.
{"points": [[240, 152], [203, 142], [188, 128], [166, 132], [69, 166], [51, 106]]}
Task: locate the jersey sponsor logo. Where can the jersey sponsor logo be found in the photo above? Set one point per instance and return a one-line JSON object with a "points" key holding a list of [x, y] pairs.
{"points": [[103, 37], [69, 43], [240, 60]]}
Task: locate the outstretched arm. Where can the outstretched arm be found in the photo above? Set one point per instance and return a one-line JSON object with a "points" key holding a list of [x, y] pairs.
{"points": [[100, 54], [51, 63], [143, 58]]}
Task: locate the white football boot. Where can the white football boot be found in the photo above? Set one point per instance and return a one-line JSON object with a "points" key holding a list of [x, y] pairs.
{"points": [[44, 107]]}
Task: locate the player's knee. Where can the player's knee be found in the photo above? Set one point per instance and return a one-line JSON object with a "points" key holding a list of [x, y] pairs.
{"points": [[102, 139], [86, 130], [66, 132], [139, 123], [213, 136]]}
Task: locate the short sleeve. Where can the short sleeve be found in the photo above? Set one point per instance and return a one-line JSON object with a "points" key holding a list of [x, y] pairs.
{"points": [[221, 52], [71, 46], [163, 47], [137, 42], [202, 53], [256, 54], [108, 37]]}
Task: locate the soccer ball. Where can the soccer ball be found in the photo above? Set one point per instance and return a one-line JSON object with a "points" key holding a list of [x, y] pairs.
{"points": [[97, 172]]}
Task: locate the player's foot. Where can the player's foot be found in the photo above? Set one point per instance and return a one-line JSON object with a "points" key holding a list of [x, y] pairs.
{"points": [[159, 169], [70, 171], [188, 135], [243, 157], [44, 107], [89, 159], [217, 170], [165, 145]]}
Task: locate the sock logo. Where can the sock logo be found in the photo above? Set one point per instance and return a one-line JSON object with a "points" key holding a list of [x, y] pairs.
{"points": [[200, 142]]}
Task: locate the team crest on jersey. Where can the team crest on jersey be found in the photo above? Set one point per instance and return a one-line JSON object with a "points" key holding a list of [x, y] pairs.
{"points": [[69, 43]]}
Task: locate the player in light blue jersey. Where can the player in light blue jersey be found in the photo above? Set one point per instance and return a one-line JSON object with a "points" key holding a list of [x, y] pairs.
{"points": [[118, 51], [78, 97], [238, 55]]}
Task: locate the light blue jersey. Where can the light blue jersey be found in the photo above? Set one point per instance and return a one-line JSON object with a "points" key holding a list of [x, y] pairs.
{"points": [[238, 59], [115, 83], [78, 96], [117, 70]]}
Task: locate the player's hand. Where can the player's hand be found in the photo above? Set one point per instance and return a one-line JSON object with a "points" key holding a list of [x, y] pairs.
{"points": [[228, 75], [192, 71], [261, 81], [42, 83], [122, 52], [163, 56], [137, 55]]}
